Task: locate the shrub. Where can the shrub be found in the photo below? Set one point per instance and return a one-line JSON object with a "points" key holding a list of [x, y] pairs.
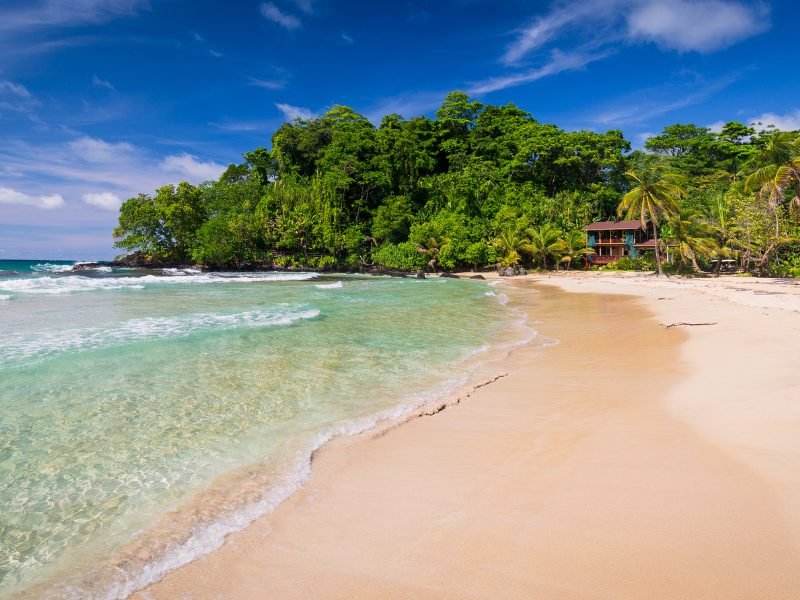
{"points": [[402, 256], [627, 263]]}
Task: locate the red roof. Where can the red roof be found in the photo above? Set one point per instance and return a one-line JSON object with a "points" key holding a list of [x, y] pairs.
{"points": [[613, 225]]}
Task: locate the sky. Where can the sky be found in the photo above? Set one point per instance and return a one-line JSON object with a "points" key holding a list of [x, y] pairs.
{"points": [[101, 100]]}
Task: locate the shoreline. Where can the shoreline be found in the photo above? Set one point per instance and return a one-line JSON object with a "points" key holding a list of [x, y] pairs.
{"points": [[280, 553]]}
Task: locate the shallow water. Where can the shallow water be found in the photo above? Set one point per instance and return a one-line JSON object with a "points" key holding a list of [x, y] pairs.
{"points": [[126, 398]]}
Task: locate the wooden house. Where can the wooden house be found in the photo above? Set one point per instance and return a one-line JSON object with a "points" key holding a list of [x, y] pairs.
{"points": [[612, 240]]}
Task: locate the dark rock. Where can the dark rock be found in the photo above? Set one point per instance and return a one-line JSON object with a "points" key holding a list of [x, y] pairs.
{"points": [[449, 275], [420, 274], [477, 277], [522, 271]]}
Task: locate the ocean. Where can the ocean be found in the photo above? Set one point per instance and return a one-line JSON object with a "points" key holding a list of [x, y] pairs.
{"points": [[145, 415]]}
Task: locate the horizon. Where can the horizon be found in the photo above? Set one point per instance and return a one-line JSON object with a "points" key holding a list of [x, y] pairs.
{"points": [[119, 97]]}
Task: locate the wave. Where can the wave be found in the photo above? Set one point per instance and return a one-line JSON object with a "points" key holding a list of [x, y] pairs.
{"points": [[4, 298], [79, 283], [18, 350], [329, 286], [51, 268]]}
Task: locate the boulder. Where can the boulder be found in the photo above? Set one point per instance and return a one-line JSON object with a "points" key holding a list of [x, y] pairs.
{"points": [[477, 277], [420, 274], [449, 275], [522, 271]]}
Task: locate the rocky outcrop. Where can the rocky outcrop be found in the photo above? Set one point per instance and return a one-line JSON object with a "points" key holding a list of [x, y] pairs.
{"points": [[449, 275], [420, 274]]}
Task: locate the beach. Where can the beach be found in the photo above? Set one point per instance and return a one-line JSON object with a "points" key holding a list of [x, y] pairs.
{"points": [[652, 452]]}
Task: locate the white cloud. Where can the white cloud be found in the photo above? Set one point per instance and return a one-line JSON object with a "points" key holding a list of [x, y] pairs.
{"points": [[99, 151], [269, 84], [105, 200], [57, 13], [559, 62], [716, 126], [197, 37], [190, 167], [216, 54], [307, 6], [271, 12], [9, 196], [14, 88], [699, 26], [295, 112], [103, 83], [347, 39], [786, 122], [683, 25]]}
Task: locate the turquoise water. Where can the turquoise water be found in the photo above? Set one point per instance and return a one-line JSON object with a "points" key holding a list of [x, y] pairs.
{"points": [[144, 416]]}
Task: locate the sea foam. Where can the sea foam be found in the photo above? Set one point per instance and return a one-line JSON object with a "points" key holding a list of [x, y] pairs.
{"points": [[16, 349], [79, 283], [329, 286]]}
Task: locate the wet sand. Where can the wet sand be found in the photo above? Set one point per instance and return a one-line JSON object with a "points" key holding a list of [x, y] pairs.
{"points": [[630, 460]]}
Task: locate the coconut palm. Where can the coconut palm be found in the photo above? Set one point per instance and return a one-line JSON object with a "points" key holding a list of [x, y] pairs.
{"points": [[512, 244], [430, 248], [545, 241], [779, 172], [574, 246], [654, 196], [689, 236]]}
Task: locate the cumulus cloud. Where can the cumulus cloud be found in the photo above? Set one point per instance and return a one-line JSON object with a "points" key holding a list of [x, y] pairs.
{"points": [[786, 122], [10, 196], [190, 167], [291, 112], [105, 200], [99, 151], [703, 26], [683, 25], [271, 12]]}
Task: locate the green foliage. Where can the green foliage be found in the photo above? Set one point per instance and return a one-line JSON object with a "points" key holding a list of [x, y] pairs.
{"points": [[403, 256], [631, 264], [476, 187]]}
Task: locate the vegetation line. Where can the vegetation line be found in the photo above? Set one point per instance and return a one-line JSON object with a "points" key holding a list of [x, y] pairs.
{"points": [[478, 187]]}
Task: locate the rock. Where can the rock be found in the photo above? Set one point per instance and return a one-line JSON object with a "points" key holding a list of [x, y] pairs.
{"points": [[420, 274], [522, 271], [449, 275], [477, 277]]}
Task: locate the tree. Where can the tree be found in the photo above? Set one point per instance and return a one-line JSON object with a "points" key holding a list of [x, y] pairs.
{"points": [[655, 194], [690, 237], [778, 173], [512, 243], [574, 247], [545, 242]]}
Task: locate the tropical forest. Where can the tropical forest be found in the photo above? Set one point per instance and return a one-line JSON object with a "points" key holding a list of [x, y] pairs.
{"points": [[478, 187]]}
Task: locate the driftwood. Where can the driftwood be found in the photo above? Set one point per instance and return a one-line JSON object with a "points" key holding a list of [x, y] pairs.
{"points": [[687, 324]]}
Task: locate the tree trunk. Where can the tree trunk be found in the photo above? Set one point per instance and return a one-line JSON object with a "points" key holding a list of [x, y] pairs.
{"points": [[658, 252]]}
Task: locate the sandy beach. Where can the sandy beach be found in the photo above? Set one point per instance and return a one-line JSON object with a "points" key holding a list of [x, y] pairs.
{"points": [[653, 452]]}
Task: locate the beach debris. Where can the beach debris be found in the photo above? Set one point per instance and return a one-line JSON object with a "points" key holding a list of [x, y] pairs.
{"points": [[687, 324]]}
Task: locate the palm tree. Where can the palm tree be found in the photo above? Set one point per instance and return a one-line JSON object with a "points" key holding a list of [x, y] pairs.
{"points": [[574, 246], [545, 241], [690, 237], [654, 196], [430, 249], [511, 243], [779, 171]]}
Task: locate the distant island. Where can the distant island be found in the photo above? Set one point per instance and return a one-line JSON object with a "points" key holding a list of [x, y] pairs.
{"points": [[479, 186]]}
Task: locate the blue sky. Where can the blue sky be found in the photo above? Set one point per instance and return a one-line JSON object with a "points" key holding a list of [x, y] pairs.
{"points": [[103, 99]]}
